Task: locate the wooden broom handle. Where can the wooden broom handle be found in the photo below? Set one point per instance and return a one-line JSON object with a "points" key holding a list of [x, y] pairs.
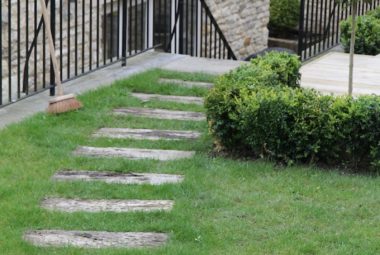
{"points": [[51, 47]]}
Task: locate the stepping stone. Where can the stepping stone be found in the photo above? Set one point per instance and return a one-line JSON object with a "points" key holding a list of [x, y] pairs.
{"points": [[177, 99], [78, 205], [133, 154], [94, 239], [146, 134], [161, 114], [188, 84], [118, 178]]}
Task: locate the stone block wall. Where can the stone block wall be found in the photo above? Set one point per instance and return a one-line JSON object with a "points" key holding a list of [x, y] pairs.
{"points": [[244, 24]]}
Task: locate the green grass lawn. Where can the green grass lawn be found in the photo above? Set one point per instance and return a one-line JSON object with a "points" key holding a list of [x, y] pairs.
{"points": [[224, 206]]}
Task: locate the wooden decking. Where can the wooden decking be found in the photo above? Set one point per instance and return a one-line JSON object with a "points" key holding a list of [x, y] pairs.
{"points": [[329, 74]]}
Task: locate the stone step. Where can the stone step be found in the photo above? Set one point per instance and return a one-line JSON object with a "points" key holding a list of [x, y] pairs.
{"points": [[187, 84], [177, 99], [78, 205], [118, 178], [133, 154], [94, 239], [160, 114], [146, 134]]}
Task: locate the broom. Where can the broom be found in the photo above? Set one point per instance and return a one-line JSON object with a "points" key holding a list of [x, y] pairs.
{"points": [[61, 103]]}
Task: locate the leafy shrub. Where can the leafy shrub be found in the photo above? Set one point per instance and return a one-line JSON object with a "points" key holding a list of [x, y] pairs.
{"points": [[284, 65], [289, 124], [367, 34], [274, 69], [284, 14]]}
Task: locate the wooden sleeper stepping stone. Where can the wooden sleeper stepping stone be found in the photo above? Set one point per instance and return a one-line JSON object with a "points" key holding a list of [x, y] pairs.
{"points": [[95, 239], [160, 114], [188, 84], [118, 178], [78, 205], [177, 99], [146, 134], [133, 154]]}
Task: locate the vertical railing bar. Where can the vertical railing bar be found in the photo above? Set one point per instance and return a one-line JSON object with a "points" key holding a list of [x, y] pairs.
{"points": [[36, 47], [1, 56], [26, 42], [104, 32], [90, 36], [60, 38], [53, 30], [111, 32], [44, 55], [142, 26], [135, 25], [83, 33], [124, 37], [130, 27], [68, 39], [97, 33], [118, 29], [76, 37], [18, 49]]}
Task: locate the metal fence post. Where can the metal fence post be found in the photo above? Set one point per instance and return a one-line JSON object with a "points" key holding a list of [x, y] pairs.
{"points": [[181, 27], [52, 24], [301, 30], [124, 34]]}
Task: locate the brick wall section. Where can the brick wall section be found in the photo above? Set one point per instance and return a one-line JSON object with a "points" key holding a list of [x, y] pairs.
{"points": [[244, 24]]}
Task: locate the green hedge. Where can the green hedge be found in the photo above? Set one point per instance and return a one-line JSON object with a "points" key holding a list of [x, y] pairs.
{"points": [[289, 124], [367, 34], [284, 14]]}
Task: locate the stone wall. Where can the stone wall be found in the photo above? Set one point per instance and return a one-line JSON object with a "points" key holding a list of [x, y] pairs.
{"points": [[244, 24]]}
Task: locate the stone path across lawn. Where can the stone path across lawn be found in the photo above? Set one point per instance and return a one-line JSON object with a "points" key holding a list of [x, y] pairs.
{"points": [[92, 239], [146, 134], [160, 114], [118, 178], [177, 99], [134, 154], [188, 84], [79, 205]]}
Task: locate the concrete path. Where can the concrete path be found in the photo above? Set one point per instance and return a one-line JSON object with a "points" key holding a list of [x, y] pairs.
{"points": [[202, 65], [160, 114], [133, 154], [329, 74], [94, 239], [106, 76], [146, 134], [177, 99], [118, 178]]}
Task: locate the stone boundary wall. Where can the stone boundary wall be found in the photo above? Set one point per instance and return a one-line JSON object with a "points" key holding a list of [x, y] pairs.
{"points": [[244, 24]]}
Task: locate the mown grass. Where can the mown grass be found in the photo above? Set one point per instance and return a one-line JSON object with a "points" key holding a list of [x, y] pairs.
{"points": [[224, 206]]}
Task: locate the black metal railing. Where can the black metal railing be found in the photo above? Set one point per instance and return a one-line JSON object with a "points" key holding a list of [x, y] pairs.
{"points": [[319, 24], [196, 32], [91, 34]]}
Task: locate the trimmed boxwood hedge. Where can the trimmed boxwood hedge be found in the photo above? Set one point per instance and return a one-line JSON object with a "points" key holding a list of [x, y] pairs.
{"points": [[367, 33], [284, 14], [253, 111]]}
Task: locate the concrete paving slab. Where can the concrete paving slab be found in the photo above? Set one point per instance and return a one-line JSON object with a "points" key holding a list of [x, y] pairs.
{"points": [[187, 84], [329, 74], [202, 65], [160, 114], [118, 206], [146, 134], [94, 239], [177, 99], [118, 178], [133, 154]]}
